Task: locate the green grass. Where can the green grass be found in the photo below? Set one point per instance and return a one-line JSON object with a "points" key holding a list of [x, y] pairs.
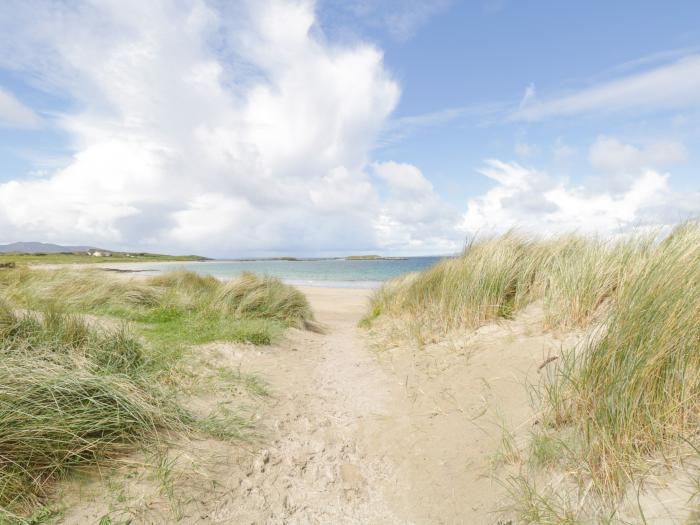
{"points": [[177, 307], [77, 392], [227, 424], [252, 384], [632, 390], [81, 258], [532, 507], [70, 395]]}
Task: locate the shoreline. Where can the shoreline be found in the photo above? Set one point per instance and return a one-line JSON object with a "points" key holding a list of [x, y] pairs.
{"points": [[122, 269]]}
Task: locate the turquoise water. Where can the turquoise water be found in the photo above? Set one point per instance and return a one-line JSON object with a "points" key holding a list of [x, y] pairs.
{"points": [[321, 272]]}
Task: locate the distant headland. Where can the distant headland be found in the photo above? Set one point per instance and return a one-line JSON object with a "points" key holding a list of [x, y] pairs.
{"points": [[40, 252]]}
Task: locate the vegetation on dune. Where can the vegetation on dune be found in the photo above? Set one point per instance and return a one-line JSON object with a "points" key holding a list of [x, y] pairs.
{"points": [[632, 389], [494, 278], [251, 296], [74, 393], [70, 395], [635, 388], [174, 306]]}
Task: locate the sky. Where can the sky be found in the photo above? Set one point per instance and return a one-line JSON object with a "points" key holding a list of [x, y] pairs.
{"points": [[293, 127]]}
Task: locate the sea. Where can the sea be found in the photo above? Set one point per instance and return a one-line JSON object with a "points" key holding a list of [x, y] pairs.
{"points": [[331, 273]]}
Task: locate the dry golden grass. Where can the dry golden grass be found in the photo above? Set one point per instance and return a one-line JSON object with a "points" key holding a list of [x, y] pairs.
{"points": [[633, 389], [574, 276]]}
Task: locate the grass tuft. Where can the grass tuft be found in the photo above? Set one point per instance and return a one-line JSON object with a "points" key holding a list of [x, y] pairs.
{"points": [[78, 391], [250, 296], [69, 396], [196, 308], [634, 389], [495, 278]]}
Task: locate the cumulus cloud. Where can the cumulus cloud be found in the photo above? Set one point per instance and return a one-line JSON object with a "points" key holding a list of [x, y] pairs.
{"points": [[218, 130], [414, 217], [231, 128], [609, 155], [14, 114], [532, 200]]}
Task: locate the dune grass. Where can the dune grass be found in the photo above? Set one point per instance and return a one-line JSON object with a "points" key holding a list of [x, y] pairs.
{"points": [[77, 390], [632, 390], [176, 306], [70, 395], [494, 278]]}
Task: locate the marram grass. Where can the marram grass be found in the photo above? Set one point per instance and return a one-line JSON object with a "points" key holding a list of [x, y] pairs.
{"points": [[633, 389], [74, 392], [253, 297], [70, 395], [495, 278], [179, 301]]}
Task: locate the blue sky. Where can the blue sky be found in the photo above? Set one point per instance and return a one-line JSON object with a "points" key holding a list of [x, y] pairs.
{"points": [[478, 56], [288, 126]]}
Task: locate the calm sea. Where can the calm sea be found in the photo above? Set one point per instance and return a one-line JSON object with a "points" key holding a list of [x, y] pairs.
{"points": [[322, 272]]}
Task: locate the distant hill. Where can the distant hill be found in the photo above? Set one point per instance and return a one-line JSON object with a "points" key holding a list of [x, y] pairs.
{"points": [[41, 247]]}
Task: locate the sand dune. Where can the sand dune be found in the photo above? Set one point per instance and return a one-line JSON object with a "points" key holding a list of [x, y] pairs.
{"points": [[348, 434]]}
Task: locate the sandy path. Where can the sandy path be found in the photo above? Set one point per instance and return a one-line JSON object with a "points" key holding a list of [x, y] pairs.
{"points": [[350, 435], [311, 468], [397, 437]]}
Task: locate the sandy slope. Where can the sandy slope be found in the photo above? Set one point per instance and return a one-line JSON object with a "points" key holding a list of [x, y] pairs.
{"points": [[348, 435]]}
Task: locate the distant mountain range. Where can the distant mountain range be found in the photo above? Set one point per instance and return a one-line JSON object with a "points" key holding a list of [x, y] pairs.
{"points": [[42, 247]]}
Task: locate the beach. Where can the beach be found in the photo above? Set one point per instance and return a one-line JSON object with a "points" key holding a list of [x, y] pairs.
{"points": [[349, 434], [311, 404]]}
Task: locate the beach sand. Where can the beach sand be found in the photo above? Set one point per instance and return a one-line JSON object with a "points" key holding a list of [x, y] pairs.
{"points": [[348, 435]]}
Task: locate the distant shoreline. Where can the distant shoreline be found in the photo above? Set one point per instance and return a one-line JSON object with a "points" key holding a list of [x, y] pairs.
{"points": [[41, 259], [330, 272], [63, 258]]}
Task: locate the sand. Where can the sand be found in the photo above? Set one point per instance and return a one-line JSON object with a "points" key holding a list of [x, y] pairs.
{"points": [[349, 434], [355, 430]]}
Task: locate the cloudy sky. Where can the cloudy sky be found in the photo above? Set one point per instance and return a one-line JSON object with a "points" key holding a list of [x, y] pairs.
{"points": [[297, 127]]}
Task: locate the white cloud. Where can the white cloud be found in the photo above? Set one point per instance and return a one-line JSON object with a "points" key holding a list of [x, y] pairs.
{"points": [[670, 86], [609, 155], [400, 19], [403, 22], [414, 217], [528, 96], [399, 128], [243, 129], [14, 114], [533, 201], [201, 130]]}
